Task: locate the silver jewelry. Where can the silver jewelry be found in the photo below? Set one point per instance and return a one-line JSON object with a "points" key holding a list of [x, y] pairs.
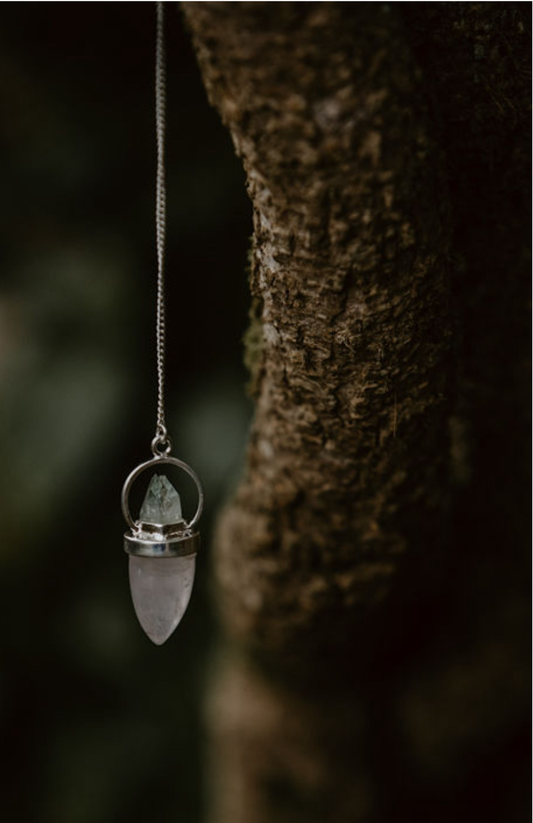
{"points": [[161, 544]]}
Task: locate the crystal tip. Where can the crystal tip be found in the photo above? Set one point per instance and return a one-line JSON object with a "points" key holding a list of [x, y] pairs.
{"points": [[161, 504]]}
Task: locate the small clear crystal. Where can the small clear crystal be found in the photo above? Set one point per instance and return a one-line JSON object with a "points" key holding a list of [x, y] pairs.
{"points": [[162, 504]]}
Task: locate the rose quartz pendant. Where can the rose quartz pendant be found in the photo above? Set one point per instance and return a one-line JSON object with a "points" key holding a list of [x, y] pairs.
{"points": [[162, 548]]}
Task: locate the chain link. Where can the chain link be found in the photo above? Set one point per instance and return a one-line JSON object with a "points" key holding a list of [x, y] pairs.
{"points": [[161, 442]]}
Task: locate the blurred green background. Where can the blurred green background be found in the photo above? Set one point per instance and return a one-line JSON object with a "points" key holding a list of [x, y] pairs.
{"points": [[96, 723]]}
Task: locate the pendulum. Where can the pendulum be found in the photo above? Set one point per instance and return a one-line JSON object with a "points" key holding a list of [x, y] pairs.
{"points": [[161, 543], [162, 547]]}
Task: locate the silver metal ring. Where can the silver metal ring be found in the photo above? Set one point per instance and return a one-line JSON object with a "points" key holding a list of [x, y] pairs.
{"points": [[158, 461]]}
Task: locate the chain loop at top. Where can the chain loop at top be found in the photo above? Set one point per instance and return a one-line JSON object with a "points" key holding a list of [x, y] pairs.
{"points": [[161, 445]]}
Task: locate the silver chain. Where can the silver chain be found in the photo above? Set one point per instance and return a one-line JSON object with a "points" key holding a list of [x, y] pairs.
{"points": [[161, 444]]}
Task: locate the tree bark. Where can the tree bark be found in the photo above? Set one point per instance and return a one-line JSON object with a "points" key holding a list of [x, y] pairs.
{"points": [[352, 122], [347, 462]]}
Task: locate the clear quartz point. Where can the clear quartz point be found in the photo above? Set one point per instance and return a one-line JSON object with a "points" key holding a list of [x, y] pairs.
{"points": [[161, 504], [161, 586]]}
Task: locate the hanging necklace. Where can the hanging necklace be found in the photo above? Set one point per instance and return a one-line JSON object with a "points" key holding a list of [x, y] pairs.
{"points": [[161, 544]]}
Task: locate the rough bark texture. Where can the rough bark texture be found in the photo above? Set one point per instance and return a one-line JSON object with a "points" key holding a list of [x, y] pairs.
{"points": [[347, 462], [385, 148]]}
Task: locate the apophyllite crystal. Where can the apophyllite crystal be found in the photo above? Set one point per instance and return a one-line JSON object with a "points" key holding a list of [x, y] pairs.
{"points": [[161, 586], [162, 504]]}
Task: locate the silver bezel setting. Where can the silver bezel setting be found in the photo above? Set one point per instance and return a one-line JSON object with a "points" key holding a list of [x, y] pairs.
{"points": [[139, 545]]}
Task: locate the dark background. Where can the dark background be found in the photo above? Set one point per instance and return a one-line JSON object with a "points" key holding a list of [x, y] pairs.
{"points": [[96, 723]]}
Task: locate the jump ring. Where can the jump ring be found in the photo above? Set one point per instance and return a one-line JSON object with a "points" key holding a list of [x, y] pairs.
{"points": [[161, 446]]}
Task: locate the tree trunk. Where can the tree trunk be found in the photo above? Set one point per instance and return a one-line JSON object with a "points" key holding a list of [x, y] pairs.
{"points": [[347, 464], [350, 120]]}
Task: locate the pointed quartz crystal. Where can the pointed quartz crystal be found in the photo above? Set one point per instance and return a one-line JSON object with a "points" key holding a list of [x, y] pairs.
{"points": [[161, 586], [162, 504]]}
